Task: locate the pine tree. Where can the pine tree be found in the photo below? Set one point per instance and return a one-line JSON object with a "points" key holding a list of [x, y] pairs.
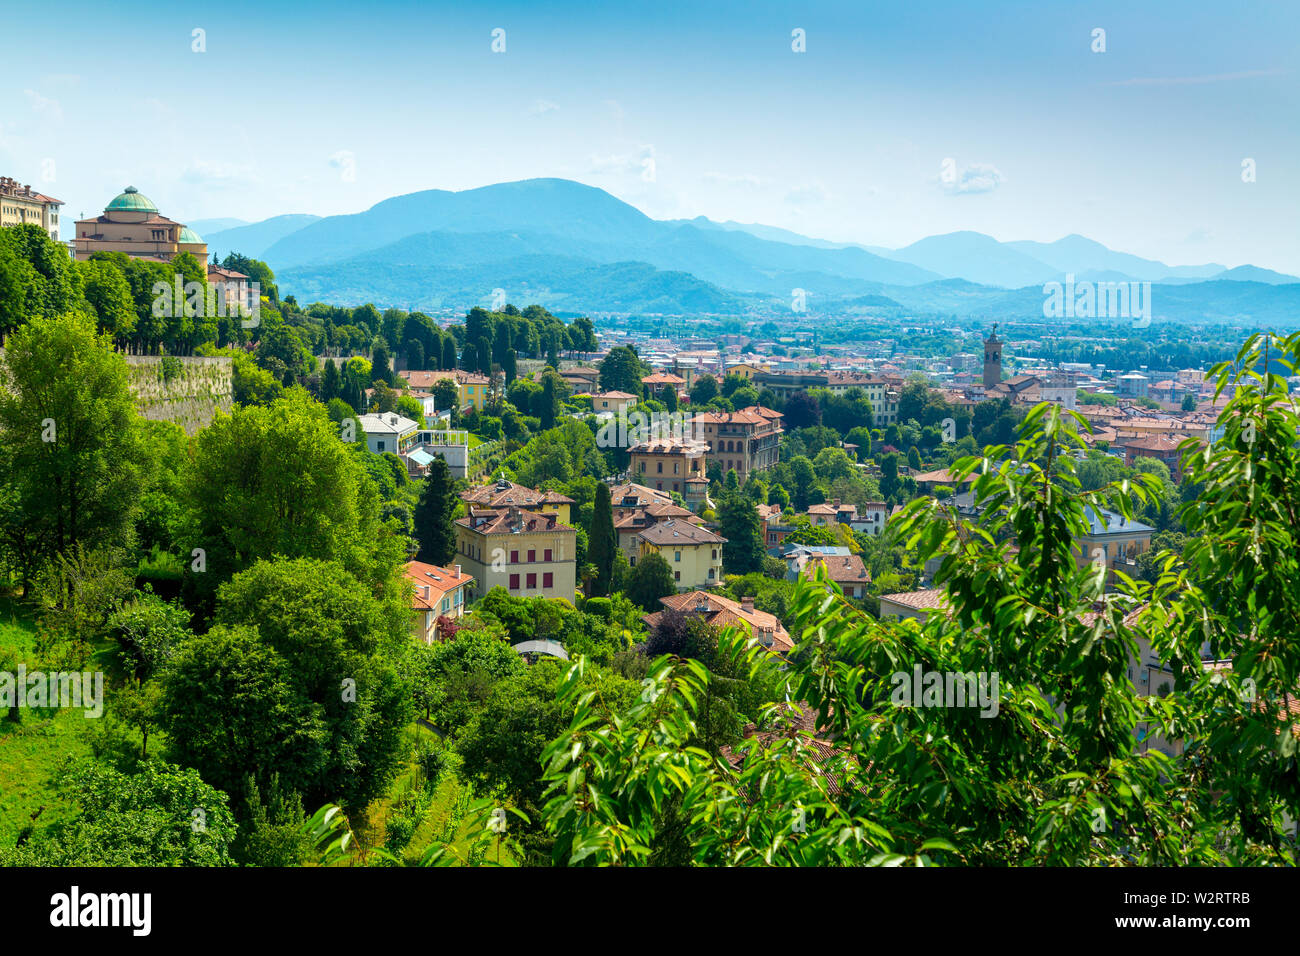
{"points": [[602, 541], [379, 367], [329, 383], [434, 521], [414, 354], [549, 412], [740, 525]]}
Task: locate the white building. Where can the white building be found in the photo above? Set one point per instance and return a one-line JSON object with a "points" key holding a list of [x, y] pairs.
{"points": [[388, 432]]}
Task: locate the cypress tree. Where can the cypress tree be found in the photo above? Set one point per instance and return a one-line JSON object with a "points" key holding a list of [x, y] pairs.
{"points": [[434, 521], [602, 541], [448, 352], [329, 383]]}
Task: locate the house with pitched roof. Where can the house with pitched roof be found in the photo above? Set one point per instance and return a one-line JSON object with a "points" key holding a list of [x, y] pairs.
{"points": [[436, 592], [718, 611], [691, 550], [504, 493], [846, 570], [529, 553]]}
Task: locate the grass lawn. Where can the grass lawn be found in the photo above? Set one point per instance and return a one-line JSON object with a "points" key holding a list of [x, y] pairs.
{"points": [[35, 749]]}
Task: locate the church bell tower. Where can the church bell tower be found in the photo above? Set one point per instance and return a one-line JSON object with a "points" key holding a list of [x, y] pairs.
{"points": [[992, 359]]}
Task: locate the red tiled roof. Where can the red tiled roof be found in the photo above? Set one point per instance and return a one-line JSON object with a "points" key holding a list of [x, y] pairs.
{"points": [[438, 579]]}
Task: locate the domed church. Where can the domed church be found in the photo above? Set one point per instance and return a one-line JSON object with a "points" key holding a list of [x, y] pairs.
{"points": [[132, 224]]}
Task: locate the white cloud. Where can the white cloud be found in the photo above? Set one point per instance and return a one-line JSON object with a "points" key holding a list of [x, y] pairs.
{"points": [[634, 161], [807, 194], [541, 107], [975, 178], [44, 105], [219, 173]]}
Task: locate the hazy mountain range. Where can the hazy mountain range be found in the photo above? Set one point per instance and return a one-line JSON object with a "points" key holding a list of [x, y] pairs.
{"points": [[576, 248]]}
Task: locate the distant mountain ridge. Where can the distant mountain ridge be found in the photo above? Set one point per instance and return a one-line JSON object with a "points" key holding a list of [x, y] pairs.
{"points": [[564, 242]]}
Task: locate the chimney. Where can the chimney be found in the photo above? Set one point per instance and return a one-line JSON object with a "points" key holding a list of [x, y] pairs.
{"points": [[836, 502], [747, 604], [458, 570], [424, 591]]}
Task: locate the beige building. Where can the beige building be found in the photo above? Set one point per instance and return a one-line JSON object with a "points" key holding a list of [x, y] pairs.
{"points": [[472, 386], [132, 224], [693, 552], [506, 494], [530, 554], [23, 206], [746, 441], [435, 592], [666, 463], [615, 402]]}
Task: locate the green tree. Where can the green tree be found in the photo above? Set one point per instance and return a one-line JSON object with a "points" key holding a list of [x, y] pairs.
{"points": [[602, 542], [277, 481], [650, 580], [159, 816], [620, 371], [72, 463], [739, 523], [435, 515]]}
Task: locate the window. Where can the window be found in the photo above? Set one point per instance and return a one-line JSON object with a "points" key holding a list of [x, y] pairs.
{"points": [[548, 580], [710, 574], [380, 445], [532, 581], [546, 555], [677, 556], [677, 575], [514, 557], [514, 582], [661, 467], [643, 468], [715, 554], [446, 605], [532, 556], [676, 465]]}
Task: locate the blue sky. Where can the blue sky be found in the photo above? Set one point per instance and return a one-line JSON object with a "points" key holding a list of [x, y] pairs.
{"points": [[1139, 147]]}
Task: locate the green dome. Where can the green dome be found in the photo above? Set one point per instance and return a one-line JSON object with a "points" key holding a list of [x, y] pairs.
{"points": [[189, 235], [131, 201]]}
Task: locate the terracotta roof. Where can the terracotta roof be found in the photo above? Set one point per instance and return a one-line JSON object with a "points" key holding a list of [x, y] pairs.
{"points": [[503, 494], [920, 600], [662, 378], [1154, 443], [673, 531], [843, 569], [719, 611], [438, 579], [509, 521], [619, 494], [754, 415]]}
